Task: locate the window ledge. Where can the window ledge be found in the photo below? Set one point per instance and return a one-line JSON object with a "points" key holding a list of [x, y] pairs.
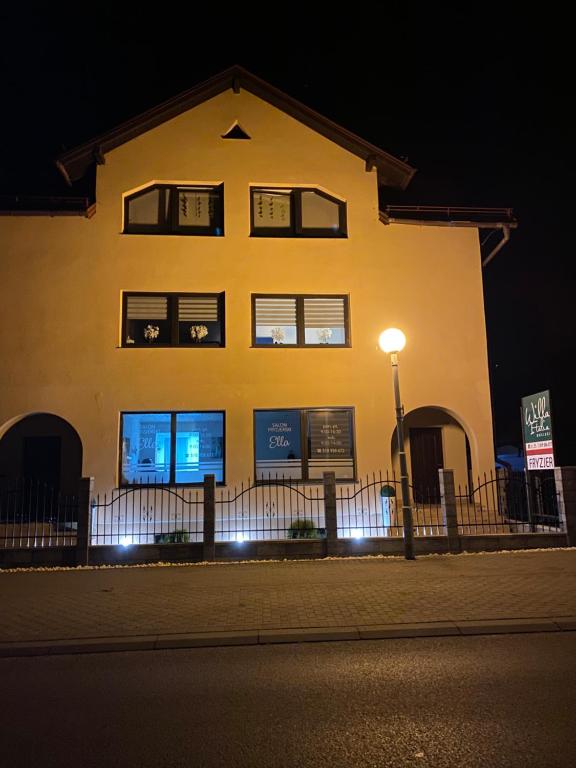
{"points": [[292, 482], [197, 486], [286, 236], [174, 234], [170, 346], [300, 346]]}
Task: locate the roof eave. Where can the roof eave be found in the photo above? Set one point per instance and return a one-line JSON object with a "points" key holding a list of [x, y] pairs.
{"points": [[431, 223], [391, 171]]}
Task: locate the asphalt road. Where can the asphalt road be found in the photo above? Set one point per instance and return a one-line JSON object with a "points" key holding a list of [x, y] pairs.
{"points": [[476, 701]]}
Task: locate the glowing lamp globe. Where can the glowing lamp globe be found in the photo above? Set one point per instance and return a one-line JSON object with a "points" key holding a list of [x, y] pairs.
{"points": [[392, 340]]}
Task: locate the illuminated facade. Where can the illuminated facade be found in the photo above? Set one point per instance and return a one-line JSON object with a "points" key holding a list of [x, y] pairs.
{"points": [[217, 308]]}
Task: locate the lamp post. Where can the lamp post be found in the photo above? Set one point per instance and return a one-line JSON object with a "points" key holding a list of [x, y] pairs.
{"points": [[392, 341]]}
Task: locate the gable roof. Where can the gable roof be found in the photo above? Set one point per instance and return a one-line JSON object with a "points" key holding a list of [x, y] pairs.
{"points": [[392, 172]]}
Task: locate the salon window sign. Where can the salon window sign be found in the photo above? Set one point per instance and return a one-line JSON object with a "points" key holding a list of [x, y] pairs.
{"points": [[537, 431], [330, 434], [278, 435]]}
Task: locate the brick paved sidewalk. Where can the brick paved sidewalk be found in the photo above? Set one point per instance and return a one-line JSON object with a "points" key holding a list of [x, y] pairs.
{"points": [[51, 605]]}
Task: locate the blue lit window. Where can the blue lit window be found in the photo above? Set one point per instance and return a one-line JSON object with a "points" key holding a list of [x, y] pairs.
{"points": [[172, 448]]}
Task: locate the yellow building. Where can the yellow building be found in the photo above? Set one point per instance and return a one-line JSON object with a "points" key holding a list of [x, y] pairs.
{"points": [[217, 307]]}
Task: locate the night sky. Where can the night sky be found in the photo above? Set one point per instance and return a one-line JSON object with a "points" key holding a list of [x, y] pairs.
{"points": [[479, 102]]}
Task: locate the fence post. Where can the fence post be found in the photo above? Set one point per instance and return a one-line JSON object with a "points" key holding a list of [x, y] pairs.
{"points": [[209, 547], [449, 511], [565, 479], [501, 482], [83, 529], [329, 480]]}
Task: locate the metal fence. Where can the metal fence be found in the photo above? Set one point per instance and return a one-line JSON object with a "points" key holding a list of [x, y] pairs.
{"points": [[372, 508], [147, 514], [34, 514], [510, 503], [277, 509]]}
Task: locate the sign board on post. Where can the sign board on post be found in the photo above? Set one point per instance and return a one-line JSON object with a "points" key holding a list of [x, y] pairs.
{"points": [[537, 431]]}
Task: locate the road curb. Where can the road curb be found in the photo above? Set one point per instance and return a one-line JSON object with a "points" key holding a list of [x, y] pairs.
{"points": [[507, 626], [284, 635], [420, 629], [307, 635]]}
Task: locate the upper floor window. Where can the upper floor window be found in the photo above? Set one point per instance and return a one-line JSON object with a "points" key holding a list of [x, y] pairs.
{"points": [[175, 210], [296, 212], [173, 319], [300, 321]]}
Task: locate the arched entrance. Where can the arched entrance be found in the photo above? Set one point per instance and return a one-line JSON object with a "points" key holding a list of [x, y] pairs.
{"points": [[43, 448], [435, 439]]}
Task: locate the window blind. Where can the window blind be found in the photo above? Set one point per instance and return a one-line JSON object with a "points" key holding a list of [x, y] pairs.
{"points": [[147, 308], [324, 313], [275, 311], [198, 308]]}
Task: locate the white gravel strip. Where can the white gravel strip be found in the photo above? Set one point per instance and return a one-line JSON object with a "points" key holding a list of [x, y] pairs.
{"points": [[216, 563]]}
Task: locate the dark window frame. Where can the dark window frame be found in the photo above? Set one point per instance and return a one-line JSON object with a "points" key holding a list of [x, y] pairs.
{"points": [[173, 420], [168, 224], [300, 323], [173, 320], [295, 228], [304, 447]]}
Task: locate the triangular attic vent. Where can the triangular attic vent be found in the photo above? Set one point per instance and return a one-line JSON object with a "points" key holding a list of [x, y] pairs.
{"points": [[235, 132]]}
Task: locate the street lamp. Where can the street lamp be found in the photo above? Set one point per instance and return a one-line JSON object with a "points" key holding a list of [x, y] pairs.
{"points": [[392, 341]]}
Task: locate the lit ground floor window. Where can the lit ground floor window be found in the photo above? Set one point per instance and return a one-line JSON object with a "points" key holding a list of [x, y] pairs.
{"points": [[304, 443], [175, 447]]}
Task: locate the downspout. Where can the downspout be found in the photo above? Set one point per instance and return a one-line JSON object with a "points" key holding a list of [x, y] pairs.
{"points": [[499, 246]]}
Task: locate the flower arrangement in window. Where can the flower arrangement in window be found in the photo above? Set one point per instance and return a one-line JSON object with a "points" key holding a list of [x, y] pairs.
{"points": [[324, 335], [198, 332], [151, 332], [277, 335]]}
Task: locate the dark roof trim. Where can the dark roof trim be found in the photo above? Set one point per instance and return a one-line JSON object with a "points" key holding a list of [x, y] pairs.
{"points": [[25, 205], [449, 216], [391, 171]]}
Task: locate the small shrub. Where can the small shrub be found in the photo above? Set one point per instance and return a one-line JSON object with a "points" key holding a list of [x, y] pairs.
{"points": [[302, 528], [174, 537]]}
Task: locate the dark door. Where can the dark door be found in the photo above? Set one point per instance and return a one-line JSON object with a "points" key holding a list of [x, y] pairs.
{"points": [[426, 454], [41, 459], [41, 449]]}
